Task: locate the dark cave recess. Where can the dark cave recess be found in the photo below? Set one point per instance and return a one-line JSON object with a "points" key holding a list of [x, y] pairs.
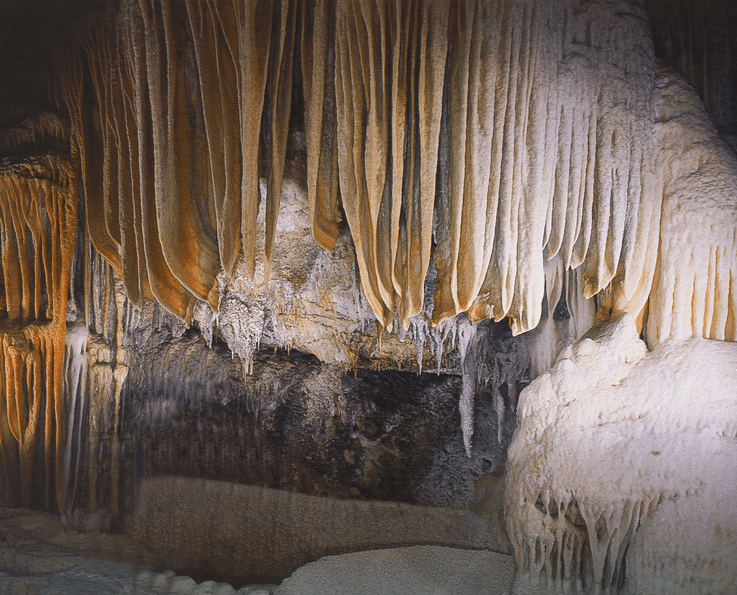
{"points": [[301, 425]]}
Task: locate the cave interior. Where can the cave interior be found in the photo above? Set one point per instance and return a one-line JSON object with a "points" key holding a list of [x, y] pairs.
{"points": [[288, 281]]}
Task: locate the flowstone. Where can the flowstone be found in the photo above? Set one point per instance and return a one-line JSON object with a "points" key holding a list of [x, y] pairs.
{"points": [[621, 471]]}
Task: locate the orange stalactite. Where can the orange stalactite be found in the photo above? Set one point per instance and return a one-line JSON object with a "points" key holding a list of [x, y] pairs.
{"points": [[474, 133], [38, 218]]}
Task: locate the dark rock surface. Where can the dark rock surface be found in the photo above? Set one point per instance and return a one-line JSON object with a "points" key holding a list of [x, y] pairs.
{"points": [[302, 425]]}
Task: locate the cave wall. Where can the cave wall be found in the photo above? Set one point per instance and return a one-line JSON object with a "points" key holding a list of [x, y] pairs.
{"points": [[695, 38]]}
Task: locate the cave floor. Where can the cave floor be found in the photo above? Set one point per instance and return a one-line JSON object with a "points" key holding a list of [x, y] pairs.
{"points": [[38, 556]]}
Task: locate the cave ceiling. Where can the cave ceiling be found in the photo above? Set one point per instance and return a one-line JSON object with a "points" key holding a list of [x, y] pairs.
{"points": [[450, 144]]}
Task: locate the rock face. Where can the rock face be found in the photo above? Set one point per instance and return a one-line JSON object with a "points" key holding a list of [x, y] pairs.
{"points": [[298, 424]]}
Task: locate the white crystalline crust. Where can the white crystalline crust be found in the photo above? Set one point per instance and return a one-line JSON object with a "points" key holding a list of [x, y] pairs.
{"points": [[608, 438]]}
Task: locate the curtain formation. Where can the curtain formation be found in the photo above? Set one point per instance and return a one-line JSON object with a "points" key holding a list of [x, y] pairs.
{"points": [[38, 222], [485, 136], [506, 149]]}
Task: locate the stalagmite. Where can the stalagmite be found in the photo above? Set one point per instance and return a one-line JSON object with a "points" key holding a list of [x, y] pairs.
{"points": [[649, 446]]}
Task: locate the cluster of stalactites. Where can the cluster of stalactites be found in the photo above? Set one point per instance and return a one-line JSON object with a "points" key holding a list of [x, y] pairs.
{"points": [[167, 101], [538, 145], [38, 222], [496, 133]]}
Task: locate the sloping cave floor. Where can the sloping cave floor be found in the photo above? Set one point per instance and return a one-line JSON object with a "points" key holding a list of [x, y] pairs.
{"points": [[39, 557]]}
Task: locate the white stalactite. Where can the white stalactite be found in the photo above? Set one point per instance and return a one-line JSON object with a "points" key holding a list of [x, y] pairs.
{"points": [[467, 353]]}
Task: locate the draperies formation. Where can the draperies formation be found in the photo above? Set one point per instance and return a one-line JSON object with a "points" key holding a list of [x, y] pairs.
{"points": [[38, 222], [486, 135]]}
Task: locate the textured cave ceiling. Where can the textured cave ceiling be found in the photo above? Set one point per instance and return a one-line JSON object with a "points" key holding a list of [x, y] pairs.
{"points": [[489, 255]]}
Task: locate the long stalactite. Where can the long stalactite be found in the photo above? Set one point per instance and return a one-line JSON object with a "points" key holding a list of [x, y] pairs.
{"points": [[481, 138], [38, 222]]}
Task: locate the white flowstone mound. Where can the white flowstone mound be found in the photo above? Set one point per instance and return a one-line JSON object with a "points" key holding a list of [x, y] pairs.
{"points": [[622, 470], [419, 570]]}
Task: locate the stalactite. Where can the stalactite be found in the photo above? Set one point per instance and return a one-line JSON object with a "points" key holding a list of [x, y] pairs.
{"points": [[38, 218], [218, 86], [279, 92], [95, 370], [133, 246], [391, 64], [170, 154], [565, 209], [361, 48], [253, 40], [420, 49], [95, 145], [181, 195], [467, 352], [535, 134], [318, 75], [163, 285]]}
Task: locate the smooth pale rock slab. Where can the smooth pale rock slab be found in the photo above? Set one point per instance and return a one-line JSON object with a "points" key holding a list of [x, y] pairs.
{"points": [[419, 570]]}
